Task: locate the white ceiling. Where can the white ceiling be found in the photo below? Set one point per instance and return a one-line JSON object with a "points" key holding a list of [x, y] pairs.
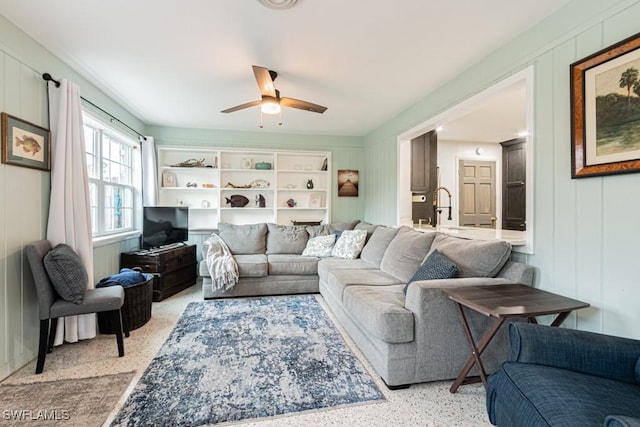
{"points": [[180, 63]]}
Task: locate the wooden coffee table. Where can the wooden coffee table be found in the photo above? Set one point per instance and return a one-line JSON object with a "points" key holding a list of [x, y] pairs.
{"points": [[502, 302]]}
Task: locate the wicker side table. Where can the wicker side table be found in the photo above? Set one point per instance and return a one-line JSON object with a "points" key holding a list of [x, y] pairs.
{"points": [[136, 310]]}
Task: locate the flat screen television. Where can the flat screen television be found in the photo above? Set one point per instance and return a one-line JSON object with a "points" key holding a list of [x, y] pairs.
{"points": [[164, 225]]}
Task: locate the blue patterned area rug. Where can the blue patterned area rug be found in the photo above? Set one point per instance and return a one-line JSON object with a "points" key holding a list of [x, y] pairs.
{"points": [[236, 359]]}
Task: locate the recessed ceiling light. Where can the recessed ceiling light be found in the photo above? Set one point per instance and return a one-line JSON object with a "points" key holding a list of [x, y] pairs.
{"points": [[278, 4]]}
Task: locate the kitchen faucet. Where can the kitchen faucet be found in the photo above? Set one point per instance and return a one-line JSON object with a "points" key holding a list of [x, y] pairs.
{"points": [[438, 209]]}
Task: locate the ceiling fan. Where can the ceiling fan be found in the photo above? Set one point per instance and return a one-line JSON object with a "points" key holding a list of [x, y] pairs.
{"points": [[271, 101]]}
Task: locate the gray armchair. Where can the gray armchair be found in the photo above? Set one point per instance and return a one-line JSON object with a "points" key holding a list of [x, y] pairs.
{"points": [[51, 306]]}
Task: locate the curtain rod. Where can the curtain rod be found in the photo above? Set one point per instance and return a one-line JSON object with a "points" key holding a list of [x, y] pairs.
{"points": [[47, 77]]}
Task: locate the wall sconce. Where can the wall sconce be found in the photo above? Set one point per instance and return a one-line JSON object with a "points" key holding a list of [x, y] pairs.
{"points": [[479, 151]]}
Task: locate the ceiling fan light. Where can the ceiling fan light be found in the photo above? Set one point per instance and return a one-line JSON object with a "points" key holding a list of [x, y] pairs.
{"points": [[270, 106]]}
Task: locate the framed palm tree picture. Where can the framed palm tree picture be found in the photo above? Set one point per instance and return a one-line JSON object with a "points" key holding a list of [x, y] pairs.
{"points": [[605, 111]]}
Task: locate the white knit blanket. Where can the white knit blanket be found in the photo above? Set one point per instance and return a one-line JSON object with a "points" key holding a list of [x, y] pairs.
{"points": [[223, 269]]}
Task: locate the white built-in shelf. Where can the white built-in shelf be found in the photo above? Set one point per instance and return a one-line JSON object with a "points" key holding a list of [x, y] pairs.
{"points": [[288, 168]]}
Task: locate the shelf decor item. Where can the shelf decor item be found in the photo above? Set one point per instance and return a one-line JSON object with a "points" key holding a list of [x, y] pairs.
{"points": [[260, 183], [605, 111], [315, 200], [191, 163], [310, 184], [25, 144], [263, 165], [325, 163], [237, 201], [291, 203], [169, 179]]}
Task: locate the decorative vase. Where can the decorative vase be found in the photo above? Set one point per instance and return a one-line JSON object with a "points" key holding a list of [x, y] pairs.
{"points": [[310, 184]]}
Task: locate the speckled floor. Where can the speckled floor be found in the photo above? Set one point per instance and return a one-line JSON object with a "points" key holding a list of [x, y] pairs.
{"points": [[428, 404]]}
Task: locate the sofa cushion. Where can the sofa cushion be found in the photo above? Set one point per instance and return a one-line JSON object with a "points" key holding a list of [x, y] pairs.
{"points": [[544, 395], [474, 258], [327, 265], [320, 246], [349, 244], [375, 248], [380, 311], [342, 226], [369, 228], [244, 239], [638, 370], [283, 239], [436, 266], [292, 264], [318, 230], [67, 273], [252, 265], [338, 280], [406, 252]]}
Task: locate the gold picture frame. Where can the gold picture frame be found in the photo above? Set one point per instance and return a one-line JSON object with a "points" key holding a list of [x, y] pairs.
{"points": [[25, 144], [605, 111]]}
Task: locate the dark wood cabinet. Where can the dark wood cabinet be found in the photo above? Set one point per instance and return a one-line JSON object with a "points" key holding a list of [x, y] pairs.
{"points": [[424, 157], [424, 173], [173, 269], [514, 184]]}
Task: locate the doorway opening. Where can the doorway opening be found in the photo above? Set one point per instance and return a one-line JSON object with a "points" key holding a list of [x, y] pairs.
{"points": [[472, 131]]}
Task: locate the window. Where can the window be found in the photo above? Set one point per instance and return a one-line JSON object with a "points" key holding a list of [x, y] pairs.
{"points": [[112, 178]]}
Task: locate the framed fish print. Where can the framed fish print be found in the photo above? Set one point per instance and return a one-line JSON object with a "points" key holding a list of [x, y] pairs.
{"points": [[25, 144]]}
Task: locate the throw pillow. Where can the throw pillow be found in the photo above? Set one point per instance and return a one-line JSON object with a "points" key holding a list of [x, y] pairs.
{"points": [[66, 273], [436, 266], [349, 244], [320, 246]]}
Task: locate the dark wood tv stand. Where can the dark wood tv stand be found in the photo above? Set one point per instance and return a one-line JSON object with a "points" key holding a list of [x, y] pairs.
{"points": [[174, 267]]}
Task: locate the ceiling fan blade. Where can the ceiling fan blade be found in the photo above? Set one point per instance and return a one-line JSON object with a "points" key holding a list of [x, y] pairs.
{"points": [[242, 106], [302, 105], [265, 82]]}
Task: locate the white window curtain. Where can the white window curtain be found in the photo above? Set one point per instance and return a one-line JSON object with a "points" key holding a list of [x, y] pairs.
{"points": [[149, 172], [69, 213]]}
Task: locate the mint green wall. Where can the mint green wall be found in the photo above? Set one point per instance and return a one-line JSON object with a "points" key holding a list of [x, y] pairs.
{"points": [[585, 232], [24, 193], [346, 153]]}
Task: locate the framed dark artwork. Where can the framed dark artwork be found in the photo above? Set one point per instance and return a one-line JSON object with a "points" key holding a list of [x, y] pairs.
{"points": [[25, 144], [347, 183], [605, 111]]}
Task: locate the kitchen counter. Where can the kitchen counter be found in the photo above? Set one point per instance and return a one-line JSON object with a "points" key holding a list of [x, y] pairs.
{"points": [[516, 238]]}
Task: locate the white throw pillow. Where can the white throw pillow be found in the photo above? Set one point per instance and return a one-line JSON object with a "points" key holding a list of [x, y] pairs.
{"points": [[349, 244], [320, 246]]}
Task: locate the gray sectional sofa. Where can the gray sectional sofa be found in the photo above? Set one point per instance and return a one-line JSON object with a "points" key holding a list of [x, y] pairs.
{"points": [[408, 329]]}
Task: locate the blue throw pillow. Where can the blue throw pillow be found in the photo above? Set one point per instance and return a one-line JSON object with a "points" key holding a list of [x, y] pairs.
{"points": [[436, 266]]}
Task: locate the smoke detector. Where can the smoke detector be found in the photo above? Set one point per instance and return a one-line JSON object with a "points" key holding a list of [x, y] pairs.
{"points": [[278, 4]]}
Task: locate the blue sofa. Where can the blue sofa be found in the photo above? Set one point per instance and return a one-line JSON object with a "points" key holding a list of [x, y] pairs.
{"points": [[564, 377]]}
